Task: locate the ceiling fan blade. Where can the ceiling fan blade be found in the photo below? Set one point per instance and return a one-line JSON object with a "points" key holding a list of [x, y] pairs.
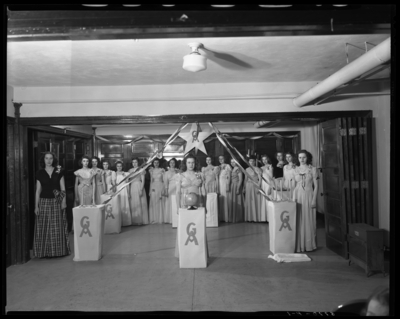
{"points": [[227, 60]]}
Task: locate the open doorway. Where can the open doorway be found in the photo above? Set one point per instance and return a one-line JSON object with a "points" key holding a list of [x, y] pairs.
{"points": [[71, 145]]}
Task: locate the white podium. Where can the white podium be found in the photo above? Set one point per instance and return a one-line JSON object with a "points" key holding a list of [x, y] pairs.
{"points": [[282, 226], [88, 232], [212, 210], [192, 241], [174, 211], [112, 213]]}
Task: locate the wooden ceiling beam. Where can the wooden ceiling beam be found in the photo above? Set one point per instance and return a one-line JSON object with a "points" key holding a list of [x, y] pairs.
{"points": [[191, 118], [53, 24]]}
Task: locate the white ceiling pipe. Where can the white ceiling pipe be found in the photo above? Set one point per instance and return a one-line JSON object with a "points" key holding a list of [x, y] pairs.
{"points": [[371, 59]]}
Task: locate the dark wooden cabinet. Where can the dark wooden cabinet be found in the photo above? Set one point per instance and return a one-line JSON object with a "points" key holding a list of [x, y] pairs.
{"points": [[366, 247]]}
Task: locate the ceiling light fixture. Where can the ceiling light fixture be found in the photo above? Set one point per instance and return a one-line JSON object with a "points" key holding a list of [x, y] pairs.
{"points": [[339, 5], [222, 5], [274, 5], [194, 62], [95, 5], [131, 5], [168, 5]]}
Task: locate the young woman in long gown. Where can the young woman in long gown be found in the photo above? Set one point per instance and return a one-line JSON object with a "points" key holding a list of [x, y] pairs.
{"points": [[236, 194], [109, 177], [267, 173], [210, 176], [306, 198], [170, 178], [123, 196], [51, 228], [138, 199], [224, 188], [84, 183], [252, 206], [157, 202], [99, 189], [288, 176], [189, 181]]}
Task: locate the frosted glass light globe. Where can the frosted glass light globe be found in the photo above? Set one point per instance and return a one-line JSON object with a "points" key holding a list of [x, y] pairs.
{"points": [[194, 62]]}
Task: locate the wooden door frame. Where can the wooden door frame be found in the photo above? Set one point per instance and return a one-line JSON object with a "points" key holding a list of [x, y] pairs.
{"points": [[42, 123], [190, 118]]}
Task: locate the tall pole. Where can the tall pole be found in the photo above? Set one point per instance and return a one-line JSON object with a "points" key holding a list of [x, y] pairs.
{"points": [[94, 141]]}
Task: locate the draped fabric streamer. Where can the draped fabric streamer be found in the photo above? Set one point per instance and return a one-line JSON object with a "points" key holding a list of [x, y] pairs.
{"points": [[147, 164], [136, 139], [225, 143], [241, 138]]}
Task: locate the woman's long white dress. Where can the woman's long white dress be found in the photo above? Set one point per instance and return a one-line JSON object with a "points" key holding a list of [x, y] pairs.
{"points": [[224, 206], [252, 207], [157, 201], [99, 189], [267, 174], [138, 200], [172, 177], [236, 196], [306, 216], [124, 206]]}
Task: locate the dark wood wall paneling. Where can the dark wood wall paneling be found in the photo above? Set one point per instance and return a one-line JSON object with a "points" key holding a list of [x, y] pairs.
{"points": [[347, 168], [17, 230], [334, 194], [11, 236], [357, 150], [120, 151]]}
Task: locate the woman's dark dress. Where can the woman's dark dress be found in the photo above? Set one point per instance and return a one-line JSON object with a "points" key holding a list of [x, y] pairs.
{"points": [[51, 228]]}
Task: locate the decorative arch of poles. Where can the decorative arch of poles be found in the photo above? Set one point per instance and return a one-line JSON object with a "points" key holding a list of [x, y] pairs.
{"points": [[223, 139]]}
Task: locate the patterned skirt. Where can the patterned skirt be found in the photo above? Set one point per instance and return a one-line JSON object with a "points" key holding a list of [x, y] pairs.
{"points": [[51, 230]]}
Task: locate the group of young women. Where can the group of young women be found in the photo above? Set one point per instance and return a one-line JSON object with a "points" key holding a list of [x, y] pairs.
{"points": [[239, 198]]}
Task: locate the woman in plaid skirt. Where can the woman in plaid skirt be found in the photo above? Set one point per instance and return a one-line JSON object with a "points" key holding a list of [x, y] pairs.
{"points": [[51, 231]]}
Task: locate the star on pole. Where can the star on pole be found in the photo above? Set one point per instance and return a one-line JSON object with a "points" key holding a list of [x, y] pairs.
{"points": [[195, 138]]}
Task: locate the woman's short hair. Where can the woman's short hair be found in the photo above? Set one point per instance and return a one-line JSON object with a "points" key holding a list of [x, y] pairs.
{"points": [[267, 157], [155, 160], [105, 161], [96, 158], [87, 157], [289, 153], [135, 159], [253, 157], [308, 154], [172, 159], [43, 164], [119, 162], [184, 166]]}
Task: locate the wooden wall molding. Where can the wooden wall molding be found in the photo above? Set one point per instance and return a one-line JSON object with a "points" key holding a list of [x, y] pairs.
{"points": [[56, 130], [184, 118]]}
